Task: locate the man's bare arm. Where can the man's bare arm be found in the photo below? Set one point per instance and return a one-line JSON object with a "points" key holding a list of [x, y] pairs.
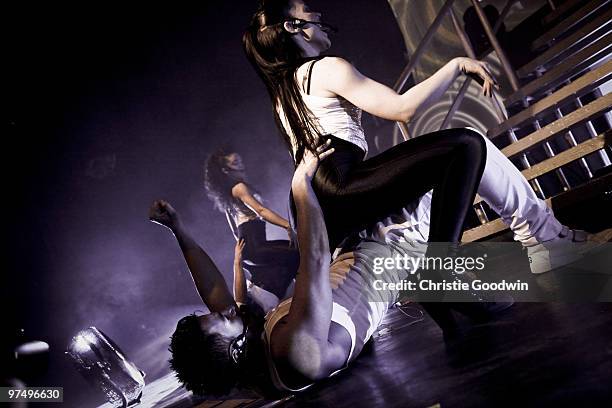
{"points": [[312, 301], [208, 280], [240, 286], [305, 344]]}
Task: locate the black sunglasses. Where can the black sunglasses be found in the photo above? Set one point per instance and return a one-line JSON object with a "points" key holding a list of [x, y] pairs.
{"points": [[328, 28]]}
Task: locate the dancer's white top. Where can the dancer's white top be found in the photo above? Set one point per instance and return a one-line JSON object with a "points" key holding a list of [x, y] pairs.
{"points": [[334, 116], [241, 213]]}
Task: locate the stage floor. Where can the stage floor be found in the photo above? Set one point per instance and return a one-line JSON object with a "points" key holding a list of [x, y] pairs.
{"points": [[534, 354]]}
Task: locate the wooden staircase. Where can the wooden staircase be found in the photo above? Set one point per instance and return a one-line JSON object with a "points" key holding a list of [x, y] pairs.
{"points": [[560, 99]]}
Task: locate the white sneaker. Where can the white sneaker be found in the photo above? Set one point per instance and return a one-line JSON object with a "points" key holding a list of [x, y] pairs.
{"points": [[557, 252]]}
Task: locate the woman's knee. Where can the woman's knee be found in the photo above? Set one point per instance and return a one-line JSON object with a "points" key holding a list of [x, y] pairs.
{"points": [[471, 143], [470, 137]]}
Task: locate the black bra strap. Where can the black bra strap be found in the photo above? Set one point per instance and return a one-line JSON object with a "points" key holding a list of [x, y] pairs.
{"points": [[309, 77]]}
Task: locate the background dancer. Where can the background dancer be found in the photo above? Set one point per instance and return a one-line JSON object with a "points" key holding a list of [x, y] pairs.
{"points": [[271, 264]]}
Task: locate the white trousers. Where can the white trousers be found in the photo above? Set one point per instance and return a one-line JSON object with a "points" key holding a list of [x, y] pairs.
{"points": [[508, 193]]}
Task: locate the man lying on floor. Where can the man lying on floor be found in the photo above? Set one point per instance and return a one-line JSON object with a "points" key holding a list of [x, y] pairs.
{"points": [[308, 337]]}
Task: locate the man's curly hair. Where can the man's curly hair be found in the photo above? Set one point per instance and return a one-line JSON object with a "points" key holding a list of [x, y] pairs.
{"points": [[201, 360]]}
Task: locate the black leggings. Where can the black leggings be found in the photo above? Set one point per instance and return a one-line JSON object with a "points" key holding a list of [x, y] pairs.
{"points": [[354, 193], [272, 264]]}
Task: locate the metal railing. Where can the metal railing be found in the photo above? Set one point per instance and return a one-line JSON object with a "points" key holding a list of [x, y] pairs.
{"points": [[446, 9], [499, 108]]}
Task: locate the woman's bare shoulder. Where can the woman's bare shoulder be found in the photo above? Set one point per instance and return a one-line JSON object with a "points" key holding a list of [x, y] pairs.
{"points": [[334, 61], [326, 72], [240, 189]]}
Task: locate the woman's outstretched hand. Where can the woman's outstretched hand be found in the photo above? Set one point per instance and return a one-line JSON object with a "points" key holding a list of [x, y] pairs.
{"points": [[161, 212], [307, 168], [480, 72]]}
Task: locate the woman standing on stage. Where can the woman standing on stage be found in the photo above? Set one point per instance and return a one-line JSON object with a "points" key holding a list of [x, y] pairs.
{"points": [[319, 99], [272, 264]]}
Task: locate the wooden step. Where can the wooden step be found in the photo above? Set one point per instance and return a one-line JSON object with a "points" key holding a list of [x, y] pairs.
{"points": [[577, 195], [572, 154], [568, 23], [563, 9], [572, 197], [567, 156], [484, 230], [586, 113], [562, 72], [581, 86], [583, 36]]}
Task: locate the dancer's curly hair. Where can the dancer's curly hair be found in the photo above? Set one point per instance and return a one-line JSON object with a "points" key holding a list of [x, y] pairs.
{"points": [[219, 184], [201, 360]]}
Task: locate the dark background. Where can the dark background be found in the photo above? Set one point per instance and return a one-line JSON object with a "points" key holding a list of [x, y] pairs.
{"points": [[109, 107]]}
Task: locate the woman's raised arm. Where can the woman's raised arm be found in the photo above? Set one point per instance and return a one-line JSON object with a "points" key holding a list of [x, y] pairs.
{"points": [[241, 192], [339, 77]]}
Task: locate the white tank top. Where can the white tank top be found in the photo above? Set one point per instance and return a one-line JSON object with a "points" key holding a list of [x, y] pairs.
{"points": [[356, 305], [339, 315], [242, 213], [334, 116]]}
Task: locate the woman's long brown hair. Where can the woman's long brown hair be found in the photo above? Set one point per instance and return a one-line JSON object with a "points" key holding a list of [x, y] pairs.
{"points": [[276, 57]]}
